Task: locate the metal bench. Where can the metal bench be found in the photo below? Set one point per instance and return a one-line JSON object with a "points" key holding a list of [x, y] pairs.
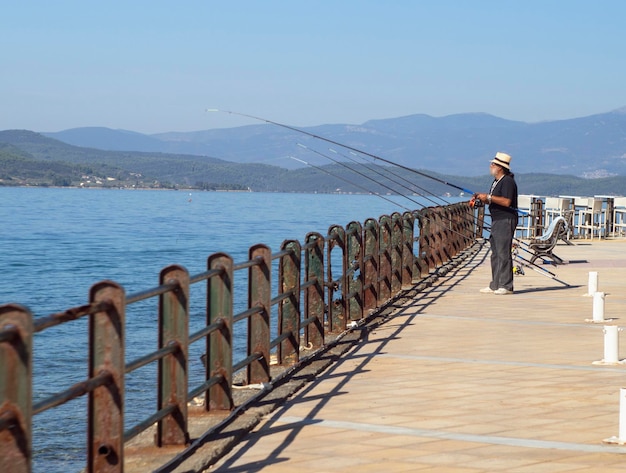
{"points": [[543, 246]]}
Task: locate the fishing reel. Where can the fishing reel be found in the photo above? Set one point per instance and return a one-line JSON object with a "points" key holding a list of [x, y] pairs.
{"points": [[517, 267], [475, 202]]}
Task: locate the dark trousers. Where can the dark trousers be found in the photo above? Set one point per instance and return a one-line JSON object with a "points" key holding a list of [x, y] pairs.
{"points": [[501, 240]]}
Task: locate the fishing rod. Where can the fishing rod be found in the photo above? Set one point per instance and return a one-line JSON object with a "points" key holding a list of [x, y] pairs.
{"points": [[528, 264], [373, 156], [525, 262]]}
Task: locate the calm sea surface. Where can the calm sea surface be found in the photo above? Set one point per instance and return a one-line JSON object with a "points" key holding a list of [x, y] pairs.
{"points": [[55, 243]]}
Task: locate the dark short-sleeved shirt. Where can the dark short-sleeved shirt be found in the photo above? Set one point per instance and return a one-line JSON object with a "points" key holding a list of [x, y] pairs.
{"points": [[505, 187]]}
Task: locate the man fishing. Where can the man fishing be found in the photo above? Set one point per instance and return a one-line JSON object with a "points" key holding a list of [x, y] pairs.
{"points": [[502, 201]]}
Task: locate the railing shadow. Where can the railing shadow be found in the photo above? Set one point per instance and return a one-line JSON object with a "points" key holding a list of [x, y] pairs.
{"points": [[402, 309]]}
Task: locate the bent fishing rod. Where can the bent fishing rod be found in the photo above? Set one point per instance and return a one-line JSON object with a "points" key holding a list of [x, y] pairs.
{"points": [[373, 156], [525, 262]]}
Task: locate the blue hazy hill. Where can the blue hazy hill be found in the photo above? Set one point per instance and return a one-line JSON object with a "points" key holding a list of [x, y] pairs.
{"points": [[587, 146]]}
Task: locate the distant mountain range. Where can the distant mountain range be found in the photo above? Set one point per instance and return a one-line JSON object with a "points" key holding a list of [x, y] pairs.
{"points": [[31, 159], [592, 146], [549, 158]]}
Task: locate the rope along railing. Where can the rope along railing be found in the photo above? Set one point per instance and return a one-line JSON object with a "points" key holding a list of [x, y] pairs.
{"points": [[322, 287]]}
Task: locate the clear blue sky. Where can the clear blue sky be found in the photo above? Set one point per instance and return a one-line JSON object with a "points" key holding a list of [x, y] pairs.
{"points": [[155, 66]]}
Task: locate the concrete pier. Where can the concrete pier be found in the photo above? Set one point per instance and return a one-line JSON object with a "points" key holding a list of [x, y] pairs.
{"points": [[458, 381]]}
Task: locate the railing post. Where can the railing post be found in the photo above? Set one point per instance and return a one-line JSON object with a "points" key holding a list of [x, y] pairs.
{"points": [[105, 443], [336, 307], [16, 343], [384, 275], [480, 222], [289, 308], [417, 261], [396, 253], [353, 293], [461, 227], [449, 238], [438, 232], [173, 331], [220, 342], [314, 295], [456, 228], [536, 212], [425, 260], [468, 222], [370, 264], [259, 295], [408, 222]]}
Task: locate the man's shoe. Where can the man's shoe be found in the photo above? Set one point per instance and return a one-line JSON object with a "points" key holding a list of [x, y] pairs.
{"points": [[502, 291], [486, 290]]}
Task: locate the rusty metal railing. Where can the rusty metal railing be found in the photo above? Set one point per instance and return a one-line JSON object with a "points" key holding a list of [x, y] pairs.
{"points": [[313, 299]]}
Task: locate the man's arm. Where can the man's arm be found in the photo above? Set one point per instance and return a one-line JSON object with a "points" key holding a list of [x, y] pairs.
{"points": [[494, 199]]}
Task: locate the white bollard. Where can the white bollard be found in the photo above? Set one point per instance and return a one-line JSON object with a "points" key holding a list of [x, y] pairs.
{"points": [[621, 439], [598, 307], [611, 345], [622, 415], [592, 285]]}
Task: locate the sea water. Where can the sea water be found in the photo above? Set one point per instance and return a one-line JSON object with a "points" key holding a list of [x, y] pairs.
{"points": [[56, 243]]}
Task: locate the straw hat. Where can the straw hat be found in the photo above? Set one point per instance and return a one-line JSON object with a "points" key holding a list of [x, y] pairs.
{"points": [[502, 159]]}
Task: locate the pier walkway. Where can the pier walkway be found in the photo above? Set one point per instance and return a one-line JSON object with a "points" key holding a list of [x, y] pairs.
{"points": [[458, 381]]}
